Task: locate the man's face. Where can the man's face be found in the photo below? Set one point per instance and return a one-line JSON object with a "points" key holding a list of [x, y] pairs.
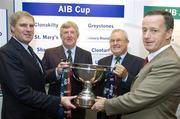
{"points": [[155, 35], [69, 37], [118, 43], [24, 29]]}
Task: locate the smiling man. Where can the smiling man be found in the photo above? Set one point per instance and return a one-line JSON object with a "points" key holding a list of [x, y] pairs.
{"points": [[126, 66], [155, 93], [54, 65], [22, 75]]}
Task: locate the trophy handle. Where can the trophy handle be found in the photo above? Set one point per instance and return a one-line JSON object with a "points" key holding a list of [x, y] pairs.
{"points": [[94, 80]]}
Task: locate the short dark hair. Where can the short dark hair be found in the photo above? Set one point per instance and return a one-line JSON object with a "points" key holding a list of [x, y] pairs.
{"points": [[168, 18]]}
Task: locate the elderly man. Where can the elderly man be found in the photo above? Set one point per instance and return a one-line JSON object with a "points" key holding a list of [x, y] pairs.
{"points": [[53, 62], [126, 67]]}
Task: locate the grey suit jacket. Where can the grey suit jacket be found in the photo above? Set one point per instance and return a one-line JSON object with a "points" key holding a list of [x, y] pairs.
{"points": [[155, 93]]}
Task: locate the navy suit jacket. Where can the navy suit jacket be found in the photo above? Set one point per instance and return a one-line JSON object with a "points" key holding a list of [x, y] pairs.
{"points": [[23, 85], [51, 59], [132, 63]]}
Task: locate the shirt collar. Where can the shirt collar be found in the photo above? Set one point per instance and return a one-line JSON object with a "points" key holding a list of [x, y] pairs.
{"points": [[122, 56], [72, 49], [23, 44], [154, 54]]}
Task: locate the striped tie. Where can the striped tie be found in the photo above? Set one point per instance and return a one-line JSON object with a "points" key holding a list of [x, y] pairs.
{"points": [[69, 55], [118, 58]]}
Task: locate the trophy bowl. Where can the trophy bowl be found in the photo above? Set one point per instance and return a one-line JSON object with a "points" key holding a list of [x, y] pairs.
{"points": [[87, 74]]}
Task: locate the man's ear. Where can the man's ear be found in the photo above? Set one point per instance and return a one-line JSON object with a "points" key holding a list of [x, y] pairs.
{"points": [[12, 29], [169, 34]]}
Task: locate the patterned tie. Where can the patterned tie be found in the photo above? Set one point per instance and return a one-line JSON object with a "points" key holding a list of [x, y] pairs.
{"points": [[66, 90], [117, 58], [69, 55], [111, 84], [116, 79], [66, 85], [114, 86]]}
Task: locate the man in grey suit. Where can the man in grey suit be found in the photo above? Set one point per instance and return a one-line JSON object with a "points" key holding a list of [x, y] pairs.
{"points": [[155, 93], [54, 65]]}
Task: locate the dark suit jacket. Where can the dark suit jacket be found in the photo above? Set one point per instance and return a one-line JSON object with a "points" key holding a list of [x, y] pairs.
{"points": [[23, 85], [132, 63], [51, 59]]}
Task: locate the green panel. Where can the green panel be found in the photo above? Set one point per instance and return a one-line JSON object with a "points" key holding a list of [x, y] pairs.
{"points": [[175, 11]]}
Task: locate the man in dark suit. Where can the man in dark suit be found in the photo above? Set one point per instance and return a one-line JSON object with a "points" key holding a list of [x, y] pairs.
{"points": [[155, 93], [22, 75], [69, 34], [126, 68]]}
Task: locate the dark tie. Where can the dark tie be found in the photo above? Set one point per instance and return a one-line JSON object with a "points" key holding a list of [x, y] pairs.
{"points": [[146, 61], [35, 58], [69, 55], [117, 58], [32, 53]]}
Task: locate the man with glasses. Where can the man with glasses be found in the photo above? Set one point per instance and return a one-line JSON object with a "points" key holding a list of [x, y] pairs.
{"points": [[126, 67]]}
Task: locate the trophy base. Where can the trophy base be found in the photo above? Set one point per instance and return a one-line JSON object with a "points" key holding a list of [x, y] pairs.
{"points": [[84, 102]]}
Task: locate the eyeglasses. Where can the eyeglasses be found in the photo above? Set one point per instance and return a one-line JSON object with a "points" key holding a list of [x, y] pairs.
{"points": [[116, 40]]}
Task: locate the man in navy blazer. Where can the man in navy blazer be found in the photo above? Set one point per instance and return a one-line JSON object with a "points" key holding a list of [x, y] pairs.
{"points": [[54, 64], [125, 70], [22, 76]]}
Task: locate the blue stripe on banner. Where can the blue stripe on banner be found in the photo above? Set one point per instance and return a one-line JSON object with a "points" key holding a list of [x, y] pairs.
{"points": [[65, 9]]}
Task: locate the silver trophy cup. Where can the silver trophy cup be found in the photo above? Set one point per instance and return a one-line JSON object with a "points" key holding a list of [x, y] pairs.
{"points": [[88, 74]]}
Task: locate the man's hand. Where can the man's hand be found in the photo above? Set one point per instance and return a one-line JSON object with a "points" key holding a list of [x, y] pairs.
{"points": [[61, 66], [66, 101], [99, 104], [121, 71]]}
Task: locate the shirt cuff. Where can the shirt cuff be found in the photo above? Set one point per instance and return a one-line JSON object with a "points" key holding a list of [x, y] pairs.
{"points": [[58, 76], [125, 79]]}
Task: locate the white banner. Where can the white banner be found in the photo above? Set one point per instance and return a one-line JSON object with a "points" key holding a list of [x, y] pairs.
{"points": [[3, 27], [96, 20]]}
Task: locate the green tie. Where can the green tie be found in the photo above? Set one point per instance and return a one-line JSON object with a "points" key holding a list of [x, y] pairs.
{"points": [[118, 58], [69, 55]]}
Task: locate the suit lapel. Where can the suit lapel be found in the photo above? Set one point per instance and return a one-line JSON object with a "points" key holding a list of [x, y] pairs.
{"points": [[60, 53], [77, 58], [25, 54], [108, 60], [127, 61]]}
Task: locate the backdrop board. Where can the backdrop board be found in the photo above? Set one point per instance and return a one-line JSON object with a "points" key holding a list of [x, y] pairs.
{"points": [[96, 20], [3, 27]]}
